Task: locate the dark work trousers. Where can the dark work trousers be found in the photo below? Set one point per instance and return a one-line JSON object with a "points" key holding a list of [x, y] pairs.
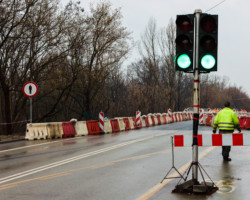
{"points": [[225, 149]]}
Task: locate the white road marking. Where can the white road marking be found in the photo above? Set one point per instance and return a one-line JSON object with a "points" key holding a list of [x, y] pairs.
{"points": [[69, 160], [34, 145]]}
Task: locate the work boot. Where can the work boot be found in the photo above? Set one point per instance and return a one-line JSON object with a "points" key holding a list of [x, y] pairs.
{"points": [[227, 159]]}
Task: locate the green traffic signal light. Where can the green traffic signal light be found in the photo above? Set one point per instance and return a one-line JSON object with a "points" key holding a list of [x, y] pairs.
{"points": [[208, 43], [184, 42], [183, 61], [208, 61]]}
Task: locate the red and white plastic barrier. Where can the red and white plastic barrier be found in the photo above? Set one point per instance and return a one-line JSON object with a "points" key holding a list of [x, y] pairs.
{"points": [[101, 121], [115, 125], [201, 120], [138, 119], [234, 139], [93, 127], [73, 128], [170, 113], [186, 113]]}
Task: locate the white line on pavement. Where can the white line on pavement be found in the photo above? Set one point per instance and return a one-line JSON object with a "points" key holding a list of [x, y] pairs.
{"points": [[69, 160]]}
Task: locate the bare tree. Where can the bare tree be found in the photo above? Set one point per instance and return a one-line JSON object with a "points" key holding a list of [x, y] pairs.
{"points": [[147, 69], [31, 43], [13, 16], [104, 50]]}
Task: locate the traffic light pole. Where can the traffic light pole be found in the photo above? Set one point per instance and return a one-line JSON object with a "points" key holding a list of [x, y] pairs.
{"points": [[201, 57], [196, 99]]}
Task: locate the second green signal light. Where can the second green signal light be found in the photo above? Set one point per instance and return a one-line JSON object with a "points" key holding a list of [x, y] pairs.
{"points": [[208, 43]]}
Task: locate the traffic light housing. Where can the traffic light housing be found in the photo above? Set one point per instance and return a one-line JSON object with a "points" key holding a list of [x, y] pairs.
{"points": [[184, 43], [208, 43]]}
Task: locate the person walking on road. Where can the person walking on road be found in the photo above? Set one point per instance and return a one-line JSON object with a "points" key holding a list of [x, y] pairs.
{"points": [[226, 120]]}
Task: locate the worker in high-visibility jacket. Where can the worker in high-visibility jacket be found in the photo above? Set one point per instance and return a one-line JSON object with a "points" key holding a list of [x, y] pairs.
{"points": [[226, 120]]}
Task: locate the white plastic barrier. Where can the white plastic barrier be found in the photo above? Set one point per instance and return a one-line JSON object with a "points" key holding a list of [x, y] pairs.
{"points": [[174, 117], [131, 122], [156, 120], [121, 124], [55, 130], [107, 126], [182, 117], [168, 119], [212, 121], [150, 120], [143, 121], [177, 115], [205, 118], [36, 131], [162, 120], [81, 128]]}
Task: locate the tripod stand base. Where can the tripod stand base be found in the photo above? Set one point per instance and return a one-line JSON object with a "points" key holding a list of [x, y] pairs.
{"points": [[193, 186]]}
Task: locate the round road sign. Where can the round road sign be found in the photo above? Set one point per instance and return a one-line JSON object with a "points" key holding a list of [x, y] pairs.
{"points": [[30, 89]]}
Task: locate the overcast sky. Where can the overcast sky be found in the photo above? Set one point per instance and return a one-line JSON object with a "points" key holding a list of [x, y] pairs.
{"points": [[234, 28]]}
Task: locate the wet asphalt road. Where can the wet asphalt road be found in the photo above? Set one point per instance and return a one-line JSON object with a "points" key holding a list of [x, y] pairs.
{"points": [[126, 165]]}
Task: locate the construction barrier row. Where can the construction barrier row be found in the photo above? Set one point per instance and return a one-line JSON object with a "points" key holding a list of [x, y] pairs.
{"points": [[53, 130], [207, 119]]}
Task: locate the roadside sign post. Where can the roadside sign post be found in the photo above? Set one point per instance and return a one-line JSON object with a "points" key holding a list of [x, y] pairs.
{"points": [[30, 110], [30, 90]]}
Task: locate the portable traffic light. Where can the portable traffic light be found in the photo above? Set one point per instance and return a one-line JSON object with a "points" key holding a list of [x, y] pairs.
{"points": [[208, 42], [184, 42]]}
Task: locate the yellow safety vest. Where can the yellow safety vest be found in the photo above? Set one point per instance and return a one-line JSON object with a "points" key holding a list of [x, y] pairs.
{"points": [[226, 119]]}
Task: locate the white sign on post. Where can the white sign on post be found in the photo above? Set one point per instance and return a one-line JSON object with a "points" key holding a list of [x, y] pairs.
{"points": [[30, 89]]}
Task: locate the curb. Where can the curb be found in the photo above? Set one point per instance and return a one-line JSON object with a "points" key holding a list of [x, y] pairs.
{"points": [[8, 139]]}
